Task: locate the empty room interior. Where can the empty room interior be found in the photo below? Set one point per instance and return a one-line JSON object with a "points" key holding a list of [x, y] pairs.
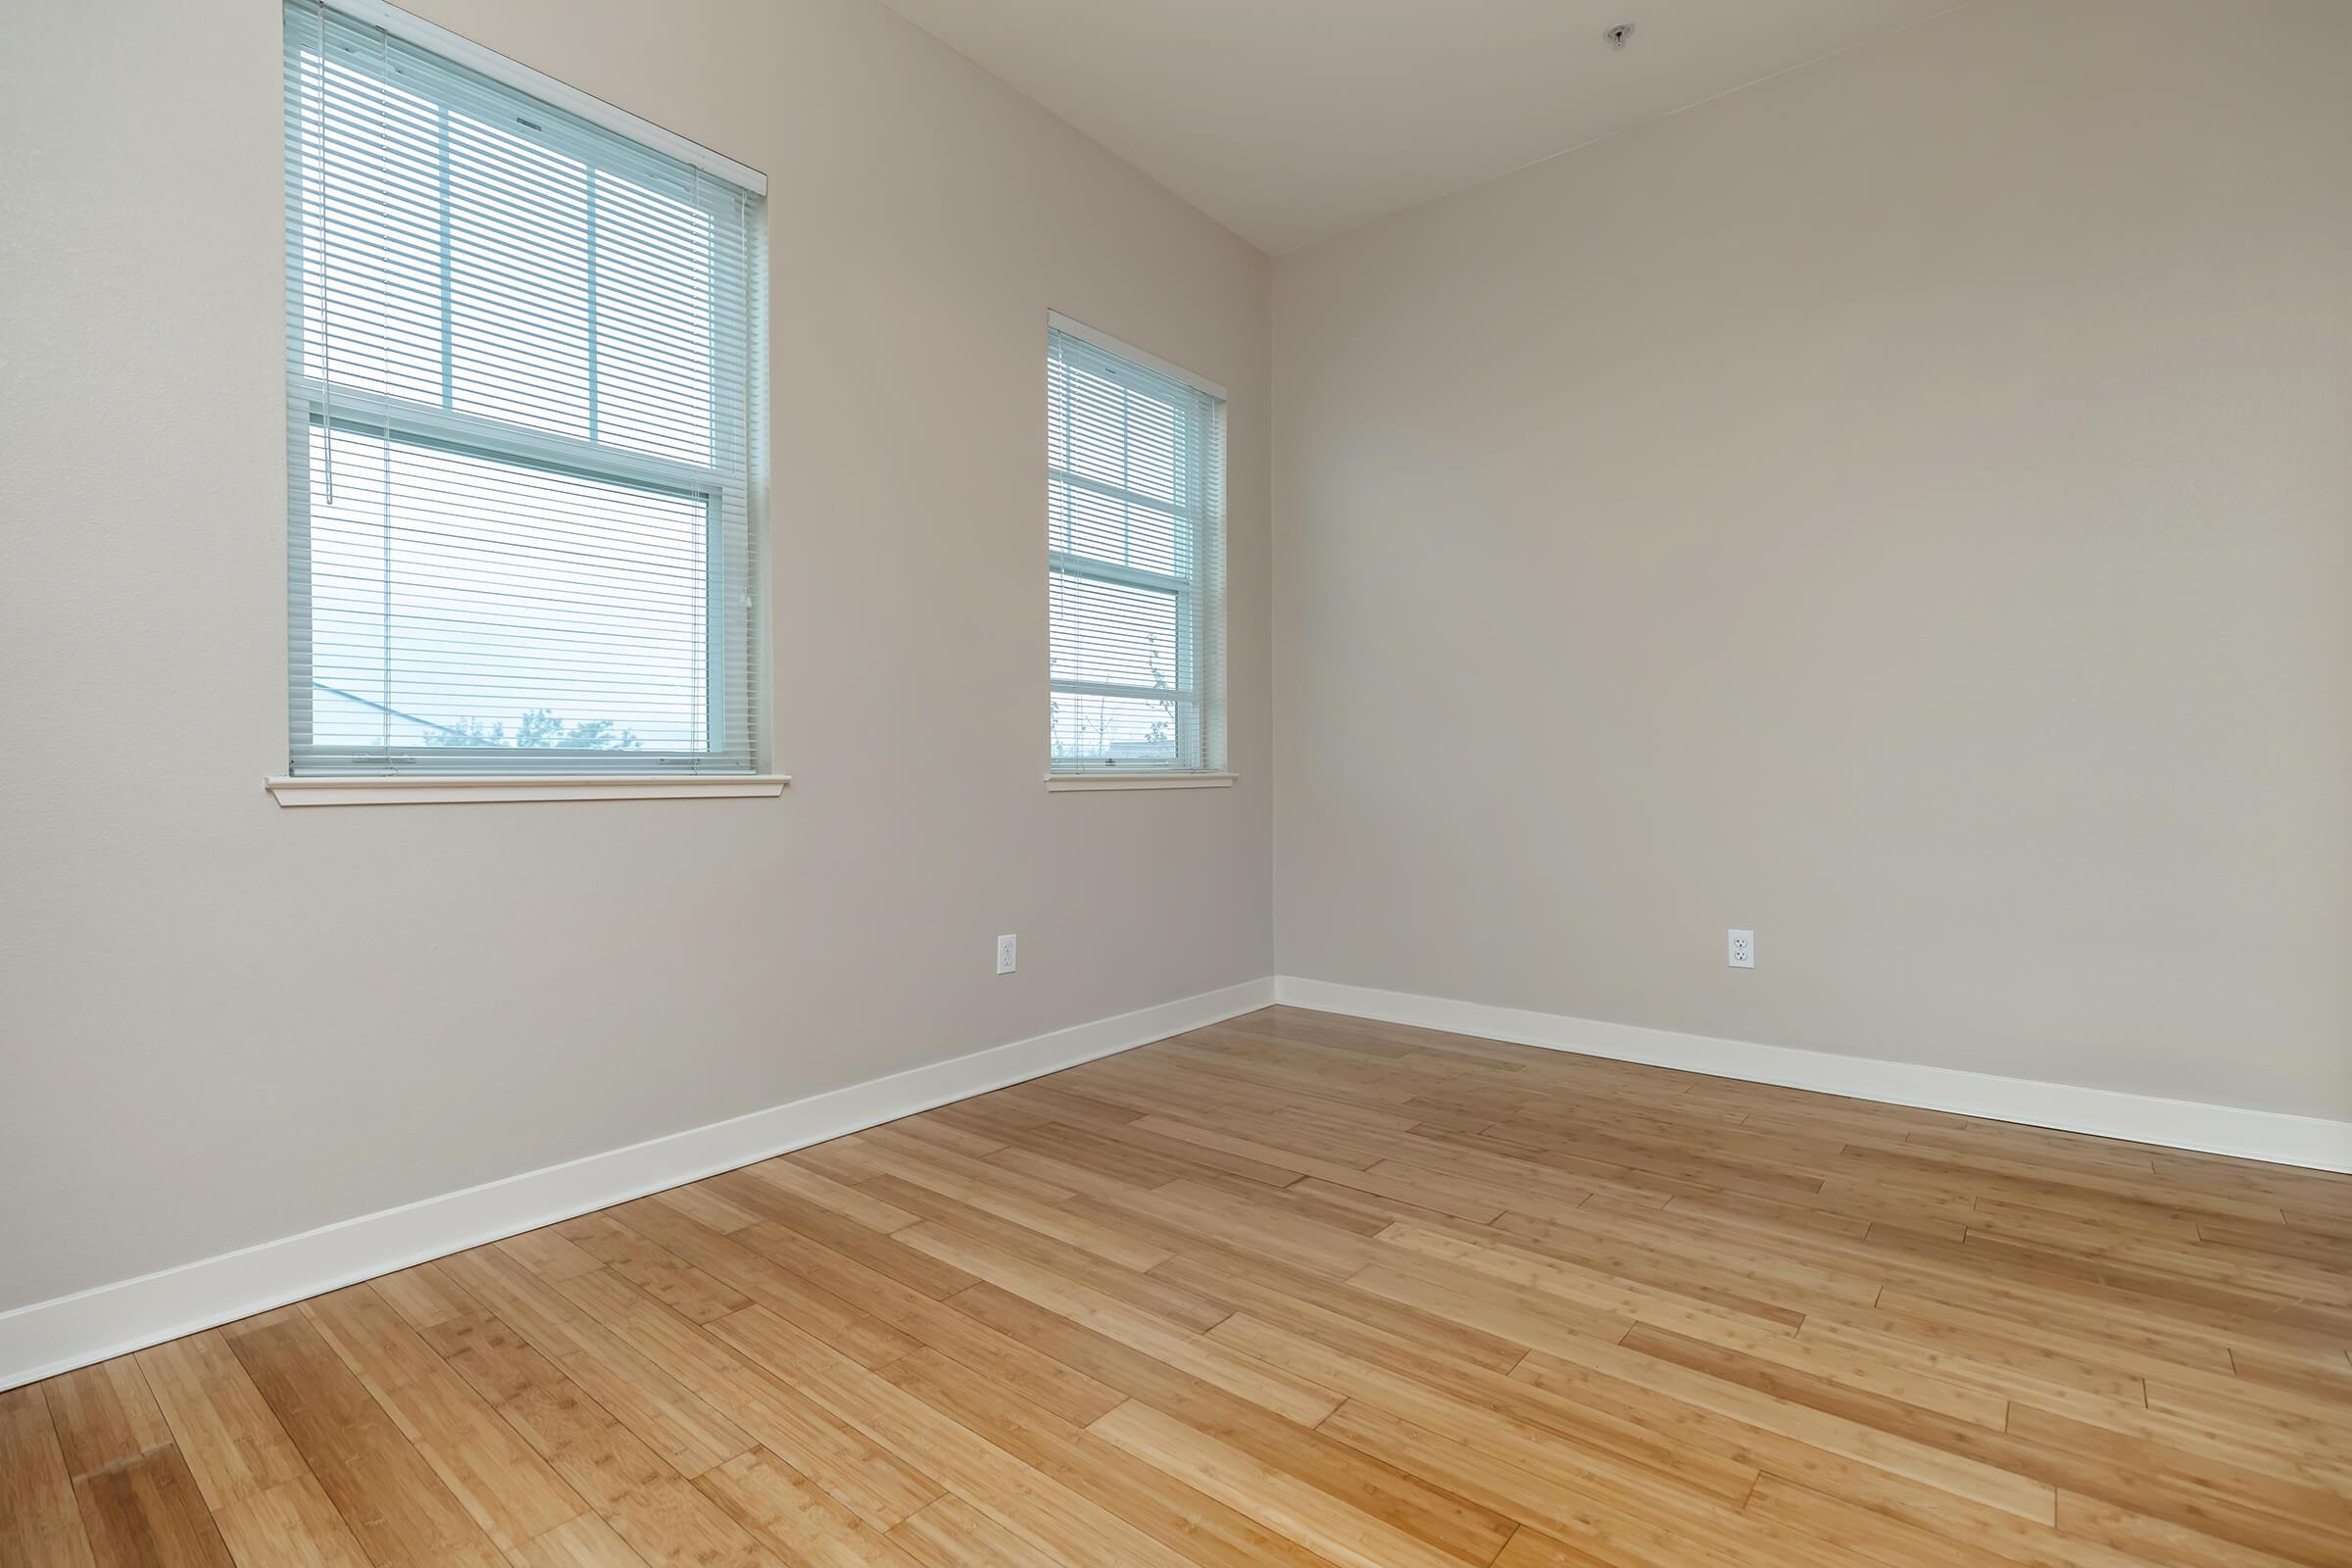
{"points": [[1114, 784]]}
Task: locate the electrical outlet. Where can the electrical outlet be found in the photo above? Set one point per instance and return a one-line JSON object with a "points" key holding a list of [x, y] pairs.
{"points": [[1005, 955], [1743, 950]]}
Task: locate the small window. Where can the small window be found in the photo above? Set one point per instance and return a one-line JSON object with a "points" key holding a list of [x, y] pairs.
{"points": [[525, 394], [1135, 509]]}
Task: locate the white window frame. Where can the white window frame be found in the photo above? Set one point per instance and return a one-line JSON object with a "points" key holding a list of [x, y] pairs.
{"points": [[1199, 703], [735, 613]]}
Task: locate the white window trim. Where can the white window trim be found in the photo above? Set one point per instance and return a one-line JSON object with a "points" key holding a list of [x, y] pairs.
{"points": [[391, 415], [462, 50], [1138, 779], [353, 790], [1084, 333], [1102, 777]]}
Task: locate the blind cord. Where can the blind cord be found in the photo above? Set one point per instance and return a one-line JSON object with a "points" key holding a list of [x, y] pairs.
{"points": [[749, 411], [326, 304], [383, 179]]}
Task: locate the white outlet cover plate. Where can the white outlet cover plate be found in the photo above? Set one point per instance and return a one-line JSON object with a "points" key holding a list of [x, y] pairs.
{"points": [[1007, 951], [1743, 953]]}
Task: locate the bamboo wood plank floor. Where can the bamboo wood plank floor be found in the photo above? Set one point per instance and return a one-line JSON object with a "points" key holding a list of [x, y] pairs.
{"points": [[1294, 1290]]}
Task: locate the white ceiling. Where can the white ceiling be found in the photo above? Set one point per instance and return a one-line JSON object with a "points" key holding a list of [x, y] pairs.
{"points": [[1289, 121]]}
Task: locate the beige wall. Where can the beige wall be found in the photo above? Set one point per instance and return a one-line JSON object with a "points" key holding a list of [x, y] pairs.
{"points": [[1904, 507], [223, 1022]]}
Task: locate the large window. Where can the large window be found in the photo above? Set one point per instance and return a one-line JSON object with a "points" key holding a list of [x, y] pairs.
{"points": [[524, 392], [1135, 462]]}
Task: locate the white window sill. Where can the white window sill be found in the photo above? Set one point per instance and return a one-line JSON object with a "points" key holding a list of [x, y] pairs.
{"points": [[401, 790], [1114, 780]]}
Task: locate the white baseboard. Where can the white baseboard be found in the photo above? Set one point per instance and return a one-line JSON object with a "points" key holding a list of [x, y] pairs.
{"points": [[55, 1336], [2265, 1135]]}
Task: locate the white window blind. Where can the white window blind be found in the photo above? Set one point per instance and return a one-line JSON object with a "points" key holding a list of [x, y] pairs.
{"points": [[524, 397], [1134, 462]]}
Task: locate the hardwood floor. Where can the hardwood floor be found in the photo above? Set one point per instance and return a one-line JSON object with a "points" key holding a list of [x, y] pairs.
{"points": [[1294, 1290]]}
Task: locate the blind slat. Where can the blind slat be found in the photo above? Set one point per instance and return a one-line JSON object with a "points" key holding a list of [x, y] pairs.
{"points": [[524, 403]]}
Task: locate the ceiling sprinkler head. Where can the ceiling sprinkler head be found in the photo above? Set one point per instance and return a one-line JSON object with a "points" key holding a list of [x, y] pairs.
{"points": [[1618, 35]]}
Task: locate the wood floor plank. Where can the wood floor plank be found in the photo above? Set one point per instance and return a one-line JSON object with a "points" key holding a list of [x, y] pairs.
{"points": [[106, 1415], [953, 1534], [1274, 1291], [688, 1430], [1159, 1503], [848, 1202], [227, 1431], [517, 1297], [510, 1491], [671, 1525], [867, 1480], [990, 1191], [723, 1368], [1306, 1514], [1286, 1394], [425, 1294], [2251, 1507], [1435, 1514], [755, 1262], [1293, 1289], [376, 1343], [1573, 1437], [549, 1253], [396, 1506], [40, 1523], [1831, 1520], [145, 1511], [1530, 1547], [1149, 1290], [796, 1517], [654, 1269], [1030, 1504], [292, 1522], [706, 1208], [1588, 1522], [600, 1458], [1896, 1453], [495, 1362], [1446, 1259], [2100, 1526], [886, 1253], [587, 1542]]}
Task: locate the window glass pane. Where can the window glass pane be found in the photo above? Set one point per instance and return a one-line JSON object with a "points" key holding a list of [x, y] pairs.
{"points": [[370, 259], [1091, 425], [518, 329], [1116, 729], [578, 301], [1152, 439], [1102, 431], [1087, 522], [457, 600], [1112, 633], [655, 305], [1058, 394]]}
